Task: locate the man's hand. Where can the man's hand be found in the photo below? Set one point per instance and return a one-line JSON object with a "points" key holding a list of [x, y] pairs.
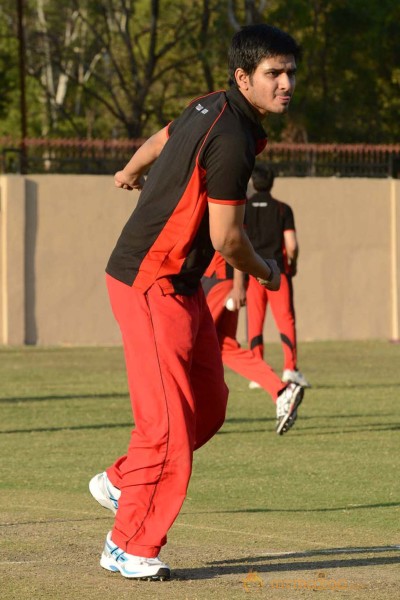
{"points": [[273, 282], [237, 295], [131, 176], [128, 182]]}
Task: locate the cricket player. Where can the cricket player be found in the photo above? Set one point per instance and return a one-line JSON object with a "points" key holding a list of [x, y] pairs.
{"points": [[191, 205]]}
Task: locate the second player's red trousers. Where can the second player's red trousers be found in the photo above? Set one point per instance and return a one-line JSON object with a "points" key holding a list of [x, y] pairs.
{"points": [[282, 308], [178, 398], [240, 360]]}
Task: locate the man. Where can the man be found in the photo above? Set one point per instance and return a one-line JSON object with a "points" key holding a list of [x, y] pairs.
{"points": [[271, 229], [225, 290], [190, 206]]}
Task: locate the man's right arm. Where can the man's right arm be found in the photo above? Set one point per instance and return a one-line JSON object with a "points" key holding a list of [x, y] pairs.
{"points": [[130, 176], [230, 240], [292, 249]]}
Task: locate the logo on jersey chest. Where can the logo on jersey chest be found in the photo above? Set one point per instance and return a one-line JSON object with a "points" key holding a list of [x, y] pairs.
{"points": [[201, 109]]}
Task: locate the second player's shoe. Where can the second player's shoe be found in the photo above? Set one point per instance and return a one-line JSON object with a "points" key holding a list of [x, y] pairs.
{"points": [[115, 559], [295, 376], [104, 491], [287, 404], [253, 385]]}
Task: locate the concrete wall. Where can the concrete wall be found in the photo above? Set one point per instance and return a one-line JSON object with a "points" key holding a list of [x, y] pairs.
{"points": [[58, 231], [344, 286], [57, 234]]}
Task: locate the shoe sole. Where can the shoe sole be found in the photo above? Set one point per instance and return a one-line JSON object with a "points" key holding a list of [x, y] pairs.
{"points": [[288, 421], [104, 502], [162, 574]]}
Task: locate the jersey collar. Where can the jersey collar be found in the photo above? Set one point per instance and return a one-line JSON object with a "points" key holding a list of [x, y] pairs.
{"points": [[237, 100]]}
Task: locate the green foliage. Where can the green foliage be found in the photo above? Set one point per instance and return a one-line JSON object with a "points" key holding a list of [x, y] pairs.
{"points": [[122, 68], [9, 84], [348, 89]]}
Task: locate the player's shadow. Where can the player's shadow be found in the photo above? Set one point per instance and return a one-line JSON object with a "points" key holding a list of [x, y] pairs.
{"points": [[290, 563]]}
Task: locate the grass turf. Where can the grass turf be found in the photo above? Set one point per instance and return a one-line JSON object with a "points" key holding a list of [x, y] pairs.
{"points": [[269, 515]]}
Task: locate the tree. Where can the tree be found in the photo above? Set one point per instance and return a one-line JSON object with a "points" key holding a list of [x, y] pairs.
{"points": [[121, 68], [128, 57], [249, 13], [9, 75], [348, 89]]}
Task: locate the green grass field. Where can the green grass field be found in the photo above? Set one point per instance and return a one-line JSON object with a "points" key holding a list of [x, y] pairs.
{"points": [[266, 516]]}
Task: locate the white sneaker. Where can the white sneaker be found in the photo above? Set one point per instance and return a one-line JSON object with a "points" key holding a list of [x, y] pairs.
{"points": [[131, 566], [289, 376], [287, 404], [253, 385], [104, 491]]}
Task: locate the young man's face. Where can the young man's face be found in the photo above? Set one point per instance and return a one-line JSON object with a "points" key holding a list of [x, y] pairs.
{"points": [[271, 86]]}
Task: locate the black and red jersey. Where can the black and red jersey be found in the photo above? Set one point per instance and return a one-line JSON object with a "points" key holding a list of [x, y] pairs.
{"points": [[219, 268], [208, 157], [266, 220]]}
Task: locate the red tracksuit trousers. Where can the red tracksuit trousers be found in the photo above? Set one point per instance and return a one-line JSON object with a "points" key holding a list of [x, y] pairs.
{"points": [[178, 396], [282, 308], [240, 360]]}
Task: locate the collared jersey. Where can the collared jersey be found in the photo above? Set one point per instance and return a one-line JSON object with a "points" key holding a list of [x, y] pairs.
{"points": [[208, 157], [266, 221], [218, 270]]}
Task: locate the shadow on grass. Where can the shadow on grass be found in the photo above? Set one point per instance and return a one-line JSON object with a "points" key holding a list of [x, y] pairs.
{"points": [[269, 564], [55, 397], [339, 386], [314, 431], [300, 510], [356, 386], [374, 427], [242, 431], [53, 521], [319, 430], [310, 553], [309, 417], [66, 428]]}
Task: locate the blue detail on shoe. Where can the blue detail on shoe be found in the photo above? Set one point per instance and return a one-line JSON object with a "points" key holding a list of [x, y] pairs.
{"points": [[111, 497], [114, 569], [114, 552], [115, 559], [122, 557]]}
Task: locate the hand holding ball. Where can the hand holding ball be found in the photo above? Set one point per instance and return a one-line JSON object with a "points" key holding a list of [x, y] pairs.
{"points": [[230, 304]]}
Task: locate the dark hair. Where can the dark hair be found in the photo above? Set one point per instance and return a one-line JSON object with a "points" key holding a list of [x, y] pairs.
{"points": [[253, 43], [262, 178]]}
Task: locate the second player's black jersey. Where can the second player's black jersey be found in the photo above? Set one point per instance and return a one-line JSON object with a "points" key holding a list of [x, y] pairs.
{"points": [[266, 220]]}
